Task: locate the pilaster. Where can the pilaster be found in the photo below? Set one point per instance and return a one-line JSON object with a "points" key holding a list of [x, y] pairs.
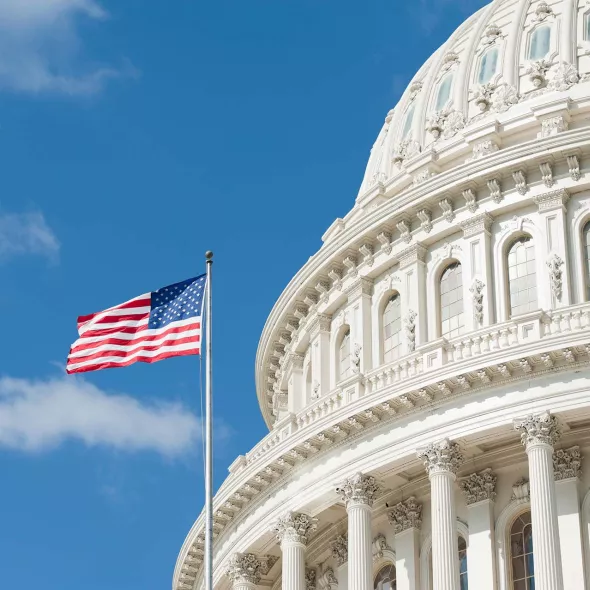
{"points": [[295, 383], [359, 313], [412, 271], [406, 517], [319, 336]]}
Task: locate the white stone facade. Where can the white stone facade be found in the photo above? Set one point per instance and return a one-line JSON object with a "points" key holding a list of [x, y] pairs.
{"points": [[425, 376]]}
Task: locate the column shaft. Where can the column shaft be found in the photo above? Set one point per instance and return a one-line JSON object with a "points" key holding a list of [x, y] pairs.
{"points": [[407, 559], [293, 565], [445, 563], [548, 573], [360, 557]]}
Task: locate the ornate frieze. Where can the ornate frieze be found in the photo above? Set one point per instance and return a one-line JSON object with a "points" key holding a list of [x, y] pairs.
{"points": [[552, 200], [294, 527], [567, 463], [244, 568], [479, 486], [564, 76], [358, 489], [415, 253], [484, 148], [339, 547], [406, 515], [477, 224], [441, 457], [538, 429], [553, 125]]}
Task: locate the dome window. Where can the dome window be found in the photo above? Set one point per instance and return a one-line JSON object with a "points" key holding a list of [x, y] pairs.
{"points": [[521, 553], [444, 92], [408, 121], [587, 27], [522, 276], [451, 301], [540, 43], [488, 65], [385, 579], [392, 329]]}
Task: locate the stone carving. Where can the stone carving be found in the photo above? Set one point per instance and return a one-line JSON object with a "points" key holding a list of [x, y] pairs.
{"points": [[504, 97], [537, 72], [470, 199], [477, 290], [538, 429], [316, 391], [380, 545], [447, 208], [542, 12], [266, 563], [359, 489], [477, 224], [425, 220], [553, 125], [441, 457], [463, 382], [414, 89], [444, 388], [449, 60], [515, 224], [404, 150], [350, 264], [520, 181], [447, 250], [492, 33], [564, 76], [294, 527], [546, 174], [327, 579], [573, 164], [479, 486], [484, 148], [435, 123], [244, 568], [404, 229], [339, 547], [555, 264], [406, 515], [495, 190], [411, 255], [482, 96], [445, 123], [384, 238], [521, 490], [410, 328], [310, 579], [367, 252], [355, 358], [567, 463], [422, 176], [335, 274]]}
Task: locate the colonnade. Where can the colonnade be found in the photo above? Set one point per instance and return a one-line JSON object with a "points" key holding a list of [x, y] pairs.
{"points": [[441, 460]]}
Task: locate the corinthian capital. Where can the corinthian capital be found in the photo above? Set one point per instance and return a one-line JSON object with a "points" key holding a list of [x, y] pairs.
{"points": [[538, 429], [479, 486], [295, 527], [567, 463], [244, 568], [406, 515], [441, 457], [358, 489]]}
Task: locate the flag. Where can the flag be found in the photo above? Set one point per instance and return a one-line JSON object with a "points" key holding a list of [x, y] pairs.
{"points": [[146, 329]]}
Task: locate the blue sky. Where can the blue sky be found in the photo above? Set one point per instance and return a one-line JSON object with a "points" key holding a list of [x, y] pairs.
{"points": [[134, 135]]}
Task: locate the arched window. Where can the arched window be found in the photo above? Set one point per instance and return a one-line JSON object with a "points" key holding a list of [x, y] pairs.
{"points": [[463, 583], [587, 27], [308, 387], [444, 92], [488, 65], [540, 43], [408, 121], [344, 357], [522, 276], [586, 246], [521, 553], [385, 579], [392, 328], [451, 301]]}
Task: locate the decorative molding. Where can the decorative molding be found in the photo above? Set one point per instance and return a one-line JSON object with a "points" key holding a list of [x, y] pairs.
{"points": [[479, 486], [546, 174], [553, 125], [310, 579], [537, 72], [564, 76], [476, 290], [406, 149], [425, 218], [339, 547], [567, 463], [244, 568], [538, 429], [495, 190], [447, 208], [358, 489], [477, 224], [515, 224], [380, 547], [294, 527], [384, 239], [406, 515], [521, 491], [520, 182], [366, 250], [405, 230], [441, 457], [554, 264], [553, 200], [410, 329], [411, 255], [470, 200], [327, 579], [573, 164], [447, 251], [484, 148]]}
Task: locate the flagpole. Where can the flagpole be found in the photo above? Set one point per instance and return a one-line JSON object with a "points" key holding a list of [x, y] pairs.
{"points": [[208, 435]]}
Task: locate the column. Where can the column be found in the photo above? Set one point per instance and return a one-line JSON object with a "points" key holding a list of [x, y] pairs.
{"points": [[442, 459], [359, 316], [358, 493], [538, 434], [412, 270], [480, 492], [566, 470], [292, 531], [406, 517], [339, 548], [244, 571]]}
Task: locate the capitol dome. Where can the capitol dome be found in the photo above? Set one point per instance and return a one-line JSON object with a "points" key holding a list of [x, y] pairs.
{"points": [[424, 376]]}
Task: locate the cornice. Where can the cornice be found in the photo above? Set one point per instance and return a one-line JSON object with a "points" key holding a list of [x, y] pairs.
{"points": [[572, 141]]}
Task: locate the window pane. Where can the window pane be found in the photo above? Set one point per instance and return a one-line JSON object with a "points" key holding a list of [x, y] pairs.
{"points": [[385, 579], [522, 277], [587, 251], [392, 329], [451, 301], [408, 121], [444, 92], [521, 553], [487, 69], [540, 43]]}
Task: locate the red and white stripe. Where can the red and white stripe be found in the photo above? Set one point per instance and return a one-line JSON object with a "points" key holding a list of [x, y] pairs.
{"points": [[119, 336]]}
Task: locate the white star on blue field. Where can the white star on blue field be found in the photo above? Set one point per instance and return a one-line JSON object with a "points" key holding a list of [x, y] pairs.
{"points": [[134, 137]]}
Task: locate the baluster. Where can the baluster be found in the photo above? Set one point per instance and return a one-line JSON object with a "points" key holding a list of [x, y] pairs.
{"points": [[567, 327], [476, 346], [577, 317], [496, 340], [467, 348], [514, 335], [504, 338], [485, 343], [458, 352], [555, 323]]}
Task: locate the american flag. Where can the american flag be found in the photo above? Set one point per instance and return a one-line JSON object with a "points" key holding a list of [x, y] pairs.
{"points": [[146, 329]]}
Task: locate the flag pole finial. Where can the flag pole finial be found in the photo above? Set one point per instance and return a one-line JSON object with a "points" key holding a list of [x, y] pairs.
{"points": [[209, 256]]}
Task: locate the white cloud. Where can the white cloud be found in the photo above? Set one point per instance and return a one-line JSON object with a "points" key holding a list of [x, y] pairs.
{"points": [[26, 233], [40, 47], [41, 415]]}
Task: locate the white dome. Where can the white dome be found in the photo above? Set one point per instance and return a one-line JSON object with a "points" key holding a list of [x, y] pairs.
{"points": [[444, 320]]}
